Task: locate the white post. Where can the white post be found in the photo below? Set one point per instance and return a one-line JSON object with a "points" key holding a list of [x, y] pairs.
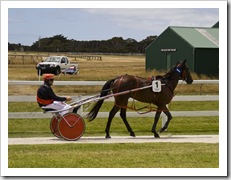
{"points": [[39, 73], [164, 118], [80, 110]]}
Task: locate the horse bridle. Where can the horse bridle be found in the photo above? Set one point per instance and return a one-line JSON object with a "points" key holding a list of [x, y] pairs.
{"points": [[183, 75]]}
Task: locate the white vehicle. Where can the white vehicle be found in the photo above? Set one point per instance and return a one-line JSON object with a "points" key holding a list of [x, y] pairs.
{"points": [[55, 65]]}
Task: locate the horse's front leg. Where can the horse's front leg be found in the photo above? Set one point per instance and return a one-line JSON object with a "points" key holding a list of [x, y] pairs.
{"points": [[169, 116], [157, 116]]}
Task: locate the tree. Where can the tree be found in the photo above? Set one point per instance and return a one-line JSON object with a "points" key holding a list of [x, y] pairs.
{"points": [[145, 42], [62, 44]]}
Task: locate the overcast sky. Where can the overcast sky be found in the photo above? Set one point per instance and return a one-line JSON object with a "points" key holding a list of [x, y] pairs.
{"points": [[26, 25]]}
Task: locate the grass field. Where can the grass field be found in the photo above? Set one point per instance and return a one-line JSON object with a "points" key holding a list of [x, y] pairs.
{"points": [[107, 106], [180, 125], [141, 126], [145, 155]]}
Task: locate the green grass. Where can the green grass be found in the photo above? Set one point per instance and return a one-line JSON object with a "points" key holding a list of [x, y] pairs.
{"points": [[121, 155], [141, 126], [145, 155], [107, 106]]}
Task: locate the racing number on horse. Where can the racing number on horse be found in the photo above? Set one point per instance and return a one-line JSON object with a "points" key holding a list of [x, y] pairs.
{"points": [[156, 86]]}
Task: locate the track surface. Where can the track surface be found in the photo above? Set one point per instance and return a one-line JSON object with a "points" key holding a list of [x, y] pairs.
{"points": [[119, 139]]}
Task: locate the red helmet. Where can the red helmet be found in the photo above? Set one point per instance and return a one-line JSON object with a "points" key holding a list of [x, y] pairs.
{"points": [[48, 76]]}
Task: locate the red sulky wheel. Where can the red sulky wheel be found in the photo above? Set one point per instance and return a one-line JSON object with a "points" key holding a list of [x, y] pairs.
{"points": [[71, 126], [54, 127]]}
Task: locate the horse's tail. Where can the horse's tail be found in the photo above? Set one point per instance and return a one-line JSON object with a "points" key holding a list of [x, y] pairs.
{"points": [[105, 91]]}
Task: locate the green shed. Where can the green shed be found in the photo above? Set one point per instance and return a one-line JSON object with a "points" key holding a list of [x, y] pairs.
{"points": [[199, 45]]}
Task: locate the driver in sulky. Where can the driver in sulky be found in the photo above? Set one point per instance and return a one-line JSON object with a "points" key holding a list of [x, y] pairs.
{"points": [[48, 100]]}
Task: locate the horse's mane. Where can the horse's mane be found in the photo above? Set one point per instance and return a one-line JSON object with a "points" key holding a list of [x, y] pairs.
{"points": [[169, 73]]}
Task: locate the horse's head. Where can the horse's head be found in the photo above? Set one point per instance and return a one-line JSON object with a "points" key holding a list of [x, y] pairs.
{"points": [[184, 72]]}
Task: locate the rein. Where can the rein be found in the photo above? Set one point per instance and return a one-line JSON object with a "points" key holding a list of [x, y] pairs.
{"points": [[175, 92], [133, 107]]}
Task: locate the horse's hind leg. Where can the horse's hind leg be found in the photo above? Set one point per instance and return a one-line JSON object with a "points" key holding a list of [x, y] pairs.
{"points": [[123, 116], [168, 114], [112, 113]]}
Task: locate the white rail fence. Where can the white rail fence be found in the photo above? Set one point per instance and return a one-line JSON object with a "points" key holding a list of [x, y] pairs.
{"points": [[19, 115]]}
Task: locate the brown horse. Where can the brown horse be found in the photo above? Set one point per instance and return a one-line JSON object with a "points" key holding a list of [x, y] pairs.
{"points": [[160, 99]]}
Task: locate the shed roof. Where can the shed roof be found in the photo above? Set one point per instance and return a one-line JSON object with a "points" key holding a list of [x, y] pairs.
{"points": [[216, 25], [199, 37]]}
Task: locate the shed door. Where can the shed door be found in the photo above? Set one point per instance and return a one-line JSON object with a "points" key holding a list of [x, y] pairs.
{"points": [[168, 61]]}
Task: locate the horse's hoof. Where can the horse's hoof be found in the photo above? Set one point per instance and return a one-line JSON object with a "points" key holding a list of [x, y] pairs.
{"points": [[156, 136], [162, 130], [132, 134], [107, 136]]}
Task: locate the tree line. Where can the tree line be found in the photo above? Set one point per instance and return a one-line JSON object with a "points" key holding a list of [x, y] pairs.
{"points": [[59, 43]]}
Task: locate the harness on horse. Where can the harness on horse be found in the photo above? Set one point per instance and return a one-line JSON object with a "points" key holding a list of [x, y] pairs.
{"points": [[162, 79], [147, 82]]}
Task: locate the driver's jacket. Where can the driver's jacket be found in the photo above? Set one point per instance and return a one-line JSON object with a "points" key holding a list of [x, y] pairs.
{"points": [[45, 95]]}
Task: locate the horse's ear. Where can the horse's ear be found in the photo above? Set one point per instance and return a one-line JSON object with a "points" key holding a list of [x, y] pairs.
{"points": [[177, 63], [184, 61]]}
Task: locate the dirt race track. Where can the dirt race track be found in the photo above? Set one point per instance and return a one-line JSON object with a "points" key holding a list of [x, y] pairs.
{"points": [[119, 139]]}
